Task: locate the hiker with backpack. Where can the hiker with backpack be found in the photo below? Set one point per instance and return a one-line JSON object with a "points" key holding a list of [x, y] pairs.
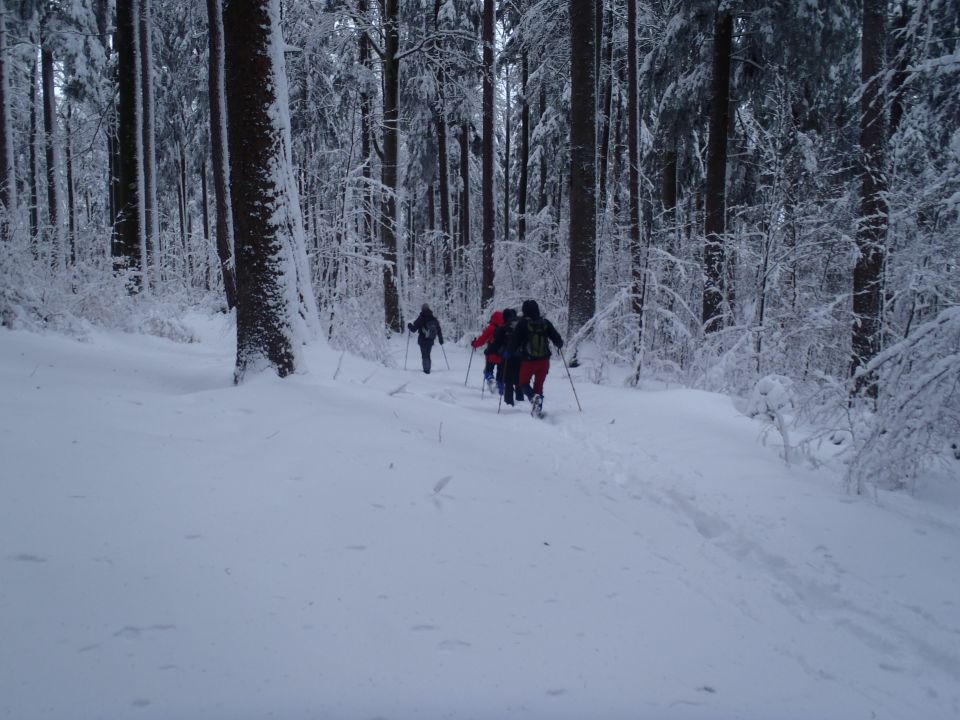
{"points": [[508, 376], [530, 341], [494, 349], [428, 329]]}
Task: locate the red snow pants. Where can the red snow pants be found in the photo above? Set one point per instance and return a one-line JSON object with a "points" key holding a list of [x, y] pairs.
{"points": [[536, 369]]}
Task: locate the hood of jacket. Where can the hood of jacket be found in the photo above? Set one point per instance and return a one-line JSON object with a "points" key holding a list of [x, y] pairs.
{"points": [[531, 309], [497, 318]]}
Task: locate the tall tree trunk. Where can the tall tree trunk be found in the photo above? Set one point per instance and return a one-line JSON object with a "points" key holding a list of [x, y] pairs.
{"points": [[151, 227], [443, 167], [506, 156], [524, 150], [606, 112], [51, 144], [465, 190], [205, 215], [633, 159], [715, 200], [129, 200], [8, 175], [34, 160], [872, 226], [218, 143], [391, 144], [486, 289], [366, 131], [275, 308], [583, 168], [71, 201]]}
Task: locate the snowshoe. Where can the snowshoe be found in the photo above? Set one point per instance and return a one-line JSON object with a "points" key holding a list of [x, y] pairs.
{"points": [[536, 406]]}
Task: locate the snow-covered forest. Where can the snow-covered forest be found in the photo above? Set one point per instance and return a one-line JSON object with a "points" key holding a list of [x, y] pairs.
{"points": [[710, 193], [742, 216]]}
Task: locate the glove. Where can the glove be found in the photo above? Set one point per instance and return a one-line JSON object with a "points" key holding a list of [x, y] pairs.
{"points": [[505, 354], [411, 328], [560, 345], [441, 342]]}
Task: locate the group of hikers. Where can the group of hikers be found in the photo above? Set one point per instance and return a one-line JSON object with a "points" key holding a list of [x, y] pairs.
{"points": [[517, 351]]}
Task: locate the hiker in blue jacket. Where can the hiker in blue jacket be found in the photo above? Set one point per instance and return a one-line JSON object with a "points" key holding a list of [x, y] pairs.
{"points": [[428, 329]]}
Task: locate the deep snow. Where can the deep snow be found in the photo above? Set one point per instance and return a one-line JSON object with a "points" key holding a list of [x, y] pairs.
{"points": [[368, 542]]}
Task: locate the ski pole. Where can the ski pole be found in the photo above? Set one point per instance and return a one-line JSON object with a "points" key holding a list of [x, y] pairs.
{"points": [[570, 378], [445, 356], [407, 352], [467, 378]]}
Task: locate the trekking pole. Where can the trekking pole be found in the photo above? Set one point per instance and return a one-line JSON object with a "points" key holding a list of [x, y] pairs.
{"points": [[570, 378], [445, 356], [467, 378], [407, 352]]}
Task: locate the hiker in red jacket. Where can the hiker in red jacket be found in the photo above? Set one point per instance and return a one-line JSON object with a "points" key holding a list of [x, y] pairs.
{"points": [[492, 352]]}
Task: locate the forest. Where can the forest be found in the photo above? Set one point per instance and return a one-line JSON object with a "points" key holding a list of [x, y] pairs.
{"points": [[754, 197]]}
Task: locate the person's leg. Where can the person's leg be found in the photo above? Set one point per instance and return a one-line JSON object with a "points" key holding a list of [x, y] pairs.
{"points": [[543, 367], [425, 356], [527, 369]]}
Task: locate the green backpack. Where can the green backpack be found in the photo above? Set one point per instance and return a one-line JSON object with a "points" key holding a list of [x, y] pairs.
{"points": [[538, 344]]}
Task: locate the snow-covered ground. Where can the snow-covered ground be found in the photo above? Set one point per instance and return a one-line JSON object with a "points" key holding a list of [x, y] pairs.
{"points": [[368, 542]]}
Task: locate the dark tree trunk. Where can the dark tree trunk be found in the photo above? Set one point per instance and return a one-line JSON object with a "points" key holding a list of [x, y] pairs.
{"points": [[34, 160], [391, 143], [633, 159], [443, 168], [606, 113], [205, 214], [366, 132], [716, 184], [218, 142], [583, 168], [872, 227], [71, 201], [486, 290], [465, 191], [258, 191], [8, 175], [524, 151], [506, 159], [54, 208], [128, 137], [542, 186], [150, 213]]}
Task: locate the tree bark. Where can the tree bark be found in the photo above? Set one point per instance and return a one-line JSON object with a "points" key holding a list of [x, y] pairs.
{"points": [[716, 184], [524, 150], [51, 139], [8, 175], [274, 304], [71, 201], [633, 159], [129, 202], [391, 143], [443, 168], [486, 291], [583, 168], [218, 142], [34, 160], [151, 229], [506, 157], [872, 225]]}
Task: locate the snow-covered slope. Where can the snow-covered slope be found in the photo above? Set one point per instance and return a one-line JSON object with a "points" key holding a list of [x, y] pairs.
{"points": [[361, 542]]}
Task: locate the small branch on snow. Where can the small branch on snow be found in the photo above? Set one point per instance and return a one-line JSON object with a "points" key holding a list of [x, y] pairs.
{"points": [[339, 363], [440, 434], [398, 390]]}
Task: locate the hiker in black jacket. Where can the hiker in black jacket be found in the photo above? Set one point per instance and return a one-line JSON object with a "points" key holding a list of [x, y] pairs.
{"points": [[428, 329], [530, 341]]}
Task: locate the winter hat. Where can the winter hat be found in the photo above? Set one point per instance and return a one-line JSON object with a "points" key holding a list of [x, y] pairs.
{"points": [[425, 308], [531, 309], [509, 314]]}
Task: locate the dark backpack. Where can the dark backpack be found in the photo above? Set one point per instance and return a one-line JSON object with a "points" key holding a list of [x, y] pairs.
{"points": [[429, 329], [538, 344]]}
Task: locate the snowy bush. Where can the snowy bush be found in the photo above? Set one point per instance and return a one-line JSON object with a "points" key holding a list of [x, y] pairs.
{"points": [[917, 417], [771, 396]]}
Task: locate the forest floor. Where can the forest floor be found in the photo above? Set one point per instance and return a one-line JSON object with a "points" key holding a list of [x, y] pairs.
{"points": [[361, 541]]}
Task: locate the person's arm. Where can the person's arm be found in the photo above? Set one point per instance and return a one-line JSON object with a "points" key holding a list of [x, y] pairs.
{"points": [[416, 324], [554, 335], [485, 337], [439, 332]]}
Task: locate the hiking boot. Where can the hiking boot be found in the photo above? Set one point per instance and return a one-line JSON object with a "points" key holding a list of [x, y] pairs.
{"points": [[491, 385], [536, 409], [500, 388]]}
